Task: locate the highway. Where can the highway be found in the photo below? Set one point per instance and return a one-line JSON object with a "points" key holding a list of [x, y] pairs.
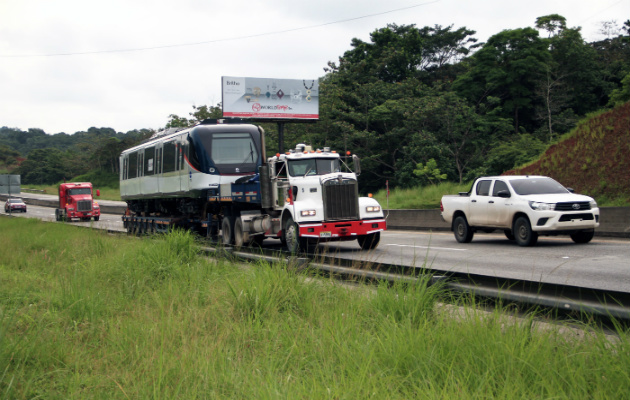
{"points": [[602, 264]]}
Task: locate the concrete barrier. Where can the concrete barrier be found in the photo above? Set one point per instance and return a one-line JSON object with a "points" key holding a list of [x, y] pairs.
{"points": [[614, 221]]}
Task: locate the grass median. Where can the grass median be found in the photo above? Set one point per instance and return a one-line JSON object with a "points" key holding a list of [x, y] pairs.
{"points": [[84, 314]]}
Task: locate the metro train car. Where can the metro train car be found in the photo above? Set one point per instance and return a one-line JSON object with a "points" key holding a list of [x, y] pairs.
{"points": [[175, 171]]}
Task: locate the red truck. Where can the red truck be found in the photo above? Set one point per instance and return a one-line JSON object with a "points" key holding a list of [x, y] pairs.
{"points": [[76, 201]]}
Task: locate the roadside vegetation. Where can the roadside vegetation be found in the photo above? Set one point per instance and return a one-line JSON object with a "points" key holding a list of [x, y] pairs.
{"points": [[84, 314]]}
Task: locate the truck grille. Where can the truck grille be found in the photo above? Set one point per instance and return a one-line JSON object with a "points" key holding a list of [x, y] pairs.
{"points": [[573, 206], [341, 199], [84, 205]]}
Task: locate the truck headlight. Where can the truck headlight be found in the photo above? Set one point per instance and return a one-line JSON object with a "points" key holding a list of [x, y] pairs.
{"points": [[373, 208], [308, 213], [593, 204], [535, 205]]}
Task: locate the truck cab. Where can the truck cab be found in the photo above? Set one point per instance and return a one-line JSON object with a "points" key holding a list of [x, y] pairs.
{"points": [[308, 196], [76, 201]]}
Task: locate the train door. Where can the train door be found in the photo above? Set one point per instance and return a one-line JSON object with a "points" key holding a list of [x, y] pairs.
{"points": [[170, 175], [185, 174], [158, 168]]}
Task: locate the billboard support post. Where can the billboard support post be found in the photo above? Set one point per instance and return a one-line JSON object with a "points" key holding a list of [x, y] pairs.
{"points": [[281, 137]]}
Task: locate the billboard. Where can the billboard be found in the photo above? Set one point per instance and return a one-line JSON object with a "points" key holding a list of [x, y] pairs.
{"points": [[268, 98]]}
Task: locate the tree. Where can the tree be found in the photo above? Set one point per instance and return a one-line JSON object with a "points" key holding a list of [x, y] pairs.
{"points": [[509, 66]]}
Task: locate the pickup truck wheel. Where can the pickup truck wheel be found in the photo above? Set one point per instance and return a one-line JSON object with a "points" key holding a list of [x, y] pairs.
{"points": [[369, 242], [463, 231], [508, 234], [583, 236], [523, 233], [227, 231]]}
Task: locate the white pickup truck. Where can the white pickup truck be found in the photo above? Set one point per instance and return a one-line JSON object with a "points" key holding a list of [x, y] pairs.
{"points": [[524, 207]]}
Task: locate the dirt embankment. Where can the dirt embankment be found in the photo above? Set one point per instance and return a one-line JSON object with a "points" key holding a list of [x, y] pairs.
{"points": [[594, 159]]}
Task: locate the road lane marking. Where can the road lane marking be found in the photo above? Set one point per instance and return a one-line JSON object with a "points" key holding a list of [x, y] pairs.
{"points": [[427, 247]]}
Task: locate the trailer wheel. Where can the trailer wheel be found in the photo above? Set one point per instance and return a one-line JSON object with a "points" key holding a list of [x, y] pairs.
{"points": [[227, 231], [369, 242], [292, 237]]}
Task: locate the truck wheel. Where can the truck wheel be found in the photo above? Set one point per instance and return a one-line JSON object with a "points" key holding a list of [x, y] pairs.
{"points": [[523, 233], [238, 233], [292, 236], [227, 231], [369, 242], [508, 234], [96, 218], [463, 232], [583, 236]]}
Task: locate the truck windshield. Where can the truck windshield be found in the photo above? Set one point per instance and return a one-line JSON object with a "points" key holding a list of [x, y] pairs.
{"points": [[313, 166], [76, 191], [537, 186]]}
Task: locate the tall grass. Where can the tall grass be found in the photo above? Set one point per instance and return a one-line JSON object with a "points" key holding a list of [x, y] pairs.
{"points": [[88, 315]]}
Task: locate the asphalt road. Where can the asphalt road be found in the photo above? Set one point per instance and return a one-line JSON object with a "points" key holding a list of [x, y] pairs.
{"points": [[601, 264]]}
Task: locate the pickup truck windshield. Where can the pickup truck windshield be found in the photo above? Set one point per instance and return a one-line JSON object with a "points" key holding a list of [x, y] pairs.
{"points": [[537, 186]]}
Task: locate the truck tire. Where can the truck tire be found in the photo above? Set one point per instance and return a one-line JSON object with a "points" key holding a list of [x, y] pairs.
{"points": [[523, 233], [582, 236], [96, 218], [291, 234], [238, 234], [463, 232], [227, 231], [370, 241]]}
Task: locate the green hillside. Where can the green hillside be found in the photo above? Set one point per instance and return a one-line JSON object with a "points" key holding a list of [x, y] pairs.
{"points": [[593, 159]]}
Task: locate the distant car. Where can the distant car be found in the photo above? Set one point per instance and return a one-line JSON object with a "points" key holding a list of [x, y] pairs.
{"points": [[14, 205]]}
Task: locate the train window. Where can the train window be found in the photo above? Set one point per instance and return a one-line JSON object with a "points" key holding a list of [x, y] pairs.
{"points": [[149, 161], [124, 168], [169, 157], [133, 165]]}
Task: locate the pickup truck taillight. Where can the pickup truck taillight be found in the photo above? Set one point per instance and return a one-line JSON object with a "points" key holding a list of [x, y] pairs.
{"points": [[441, 206]]}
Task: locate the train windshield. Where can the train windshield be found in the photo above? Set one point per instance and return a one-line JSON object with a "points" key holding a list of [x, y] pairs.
{"points": [[314, 166], [230, 153]]}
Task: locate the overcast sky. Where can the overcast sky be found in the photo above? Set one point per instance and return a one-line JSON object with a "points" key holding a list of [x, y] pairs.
{"points": [[68, 65]]}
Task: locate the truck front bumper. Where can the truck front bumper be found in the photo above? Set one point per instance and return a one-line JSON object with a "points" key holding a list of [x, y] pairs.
{"points": [[341, 230]]}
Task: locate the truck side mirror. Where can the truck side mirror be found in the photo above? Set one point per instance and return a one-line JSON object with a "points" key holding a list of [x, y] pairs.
{"points": [[357, 164], [503, 193], [98, 192]]}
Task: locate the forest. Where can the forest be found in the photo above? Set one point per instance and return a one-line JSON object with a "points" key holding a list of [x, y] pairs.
{"points": [[418, 105]]}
